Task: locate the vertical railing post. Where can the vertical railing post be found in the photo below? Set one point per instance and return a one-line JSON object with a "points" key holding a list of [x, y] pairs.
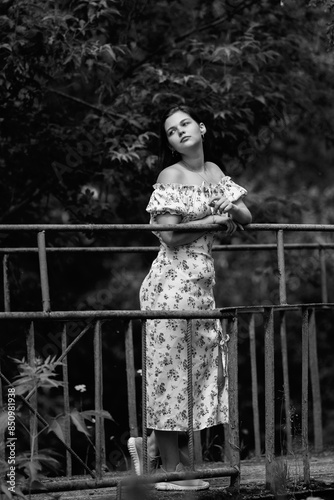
{"points": [[285, 367], [6, 297], [305, 357], [281, 266], [43, 271], [323, 274], [314, 368], [233, 398], [226, 455], [99, 421], [2, 430], [190, 396], [33, 424], [269, 397], [6, 286], [67, 422], [144, 396], [284, 348], [255, 396], [131, 381], [315, 383]]}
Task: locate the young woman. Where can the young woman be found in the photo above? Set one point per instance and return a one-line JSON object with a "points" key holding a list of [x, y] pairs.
{"points": [[189, 189]]}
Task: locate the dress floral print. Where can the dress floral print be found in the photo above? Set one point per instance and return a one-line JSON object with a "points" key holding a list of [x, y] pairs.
{"points": [[182, 278]]}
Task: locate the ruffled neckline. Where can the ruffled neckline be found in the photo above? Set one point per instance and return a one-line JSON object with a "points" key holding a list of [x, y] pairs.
{"points": [[195, 186]]}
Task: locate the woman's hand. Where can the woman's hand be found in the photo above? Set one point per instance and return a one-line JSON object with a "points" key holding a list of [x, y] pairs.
{"points": [[236, 210], [231, 225], [221, 205]]}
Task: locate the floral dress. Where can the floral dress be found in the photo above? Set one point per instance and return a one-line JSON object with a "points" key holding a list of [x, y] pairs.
{"points": [[182, 278]]}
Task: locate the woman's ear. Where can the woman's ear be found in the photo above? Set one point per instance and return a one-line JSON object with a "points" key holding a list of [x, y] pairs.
{"points": [[202, 129]]}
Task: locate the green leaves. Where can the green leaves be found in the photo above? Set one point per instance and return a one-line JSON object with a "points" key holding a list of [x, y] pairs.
{"points": [[40, 375], [78, 419], [56, 426], [104, 55], [225, 53], [33, 467]]}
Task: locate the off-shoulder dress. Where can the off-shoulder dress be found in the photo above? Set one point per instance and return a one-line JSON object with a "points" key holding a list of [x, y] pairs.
{"points": [[182, 278]]}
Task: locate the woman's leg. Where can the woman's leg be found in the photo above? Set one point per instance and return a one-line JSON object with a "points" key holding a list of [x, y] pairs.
{"points": [[152, 445], [168, 442], [168, 445]]}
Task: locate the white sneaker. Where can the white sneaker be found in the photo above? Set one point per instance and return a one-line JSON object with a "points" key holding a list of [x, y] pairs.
{"points": [[135, 447]]}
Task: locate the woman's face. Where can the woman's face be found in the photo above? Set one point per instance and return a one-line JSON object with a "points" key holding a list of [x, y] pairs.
{"points": [[183, 132]]}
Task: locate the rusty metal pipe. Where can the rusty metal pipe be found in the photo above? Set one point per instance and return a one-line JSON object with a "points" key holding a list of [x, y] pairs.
{"points": [[43, 267], [138, 314], [160, 227], [146, 249], [6, 286]]}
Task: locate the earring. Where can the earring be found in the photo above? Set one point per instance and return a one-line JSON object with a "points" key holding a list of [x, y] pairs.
{"points": [[173, 152], [202, 137]]}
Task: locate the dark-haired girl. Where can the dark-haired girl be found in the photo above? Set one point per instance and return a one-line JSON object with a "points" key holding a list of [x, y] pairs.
{"points": [[189, 189]]}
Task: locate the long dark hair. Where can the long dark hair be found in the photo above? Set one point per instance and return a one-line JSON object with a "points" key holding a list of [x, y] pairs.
{"points": [[166, 157]]}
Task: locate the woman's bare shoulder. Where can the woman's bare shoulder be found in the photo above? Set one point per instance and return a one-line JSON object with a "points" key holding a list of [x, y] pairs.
{"points": [[214, 170], [171, 175]]}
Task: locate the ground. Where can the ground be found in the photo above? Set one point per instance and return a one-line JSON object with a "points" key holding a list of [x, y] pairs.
{"points": [[289, 484]]}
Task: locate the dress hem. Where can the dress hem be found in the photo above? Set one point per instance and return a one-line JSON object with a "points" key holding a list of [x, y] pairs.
{"points": [[185, 429]]}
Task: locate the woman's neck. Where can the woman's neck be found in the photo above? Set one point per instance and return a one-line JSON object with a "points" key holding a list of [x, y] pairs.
{"points": [[194, 163]]}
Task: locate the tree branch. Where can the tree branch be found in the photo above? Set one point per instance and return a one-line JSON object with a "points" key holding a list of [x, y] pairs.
{"points": [[28, 198], [184, 36], [151, 55], [85, 103]]}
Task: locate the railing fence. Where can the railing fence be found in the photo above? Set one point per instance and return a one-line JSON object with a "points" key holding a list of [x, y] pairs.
{"points": [[228, 316]]}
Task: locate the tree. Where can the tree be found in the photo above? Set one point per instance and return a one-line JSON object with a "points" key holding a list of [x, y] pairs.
{"points": [[82, 90]]}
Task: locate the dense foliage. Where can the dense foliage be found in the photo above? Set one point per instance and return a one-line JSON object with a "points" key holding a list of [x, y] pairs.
{"points": [[83, 85]]}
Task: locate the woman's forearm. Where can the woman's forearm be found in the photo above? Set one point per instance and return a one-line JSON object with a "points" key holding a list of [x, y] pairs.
{"points": [[241, 214], [177, 238]]}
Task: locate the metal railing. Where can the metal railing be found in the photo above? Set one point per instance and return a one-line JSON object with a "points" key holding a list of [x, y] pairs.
{"points": [[229, 317]]}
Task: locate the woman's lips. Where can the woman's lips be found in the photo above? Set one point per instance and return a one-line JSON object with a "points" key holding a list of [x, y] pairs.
{"points": [[185, 138]]}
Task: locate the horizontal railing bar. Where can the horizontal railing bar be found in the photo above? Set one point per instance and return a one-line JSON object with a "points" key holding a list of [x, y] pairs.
{"points": [[174, 476], [133, 314], [137, 314], [160, 227], [264, 246], [106, 482]]}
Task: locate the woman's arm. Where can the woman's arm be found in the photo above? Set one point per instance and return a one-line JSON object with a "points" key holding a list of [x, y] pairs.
{"points": [[237, 209], [173, 174], [177, 238]]}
